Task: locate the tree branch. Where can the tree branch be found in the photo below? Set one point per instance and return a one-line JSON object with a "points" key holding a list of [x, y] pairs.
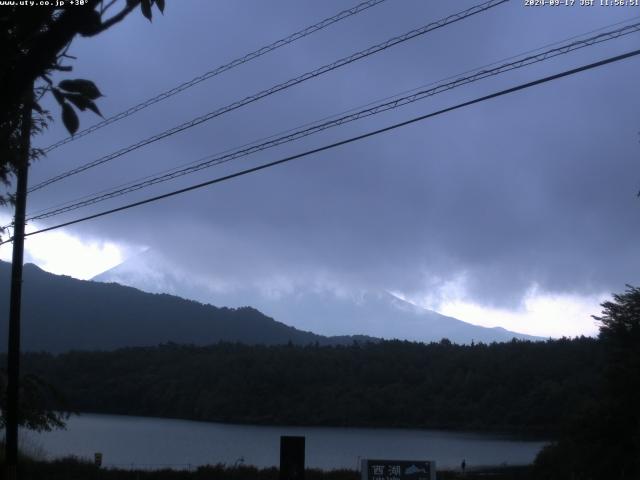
{"points": [[116, 18], [104, 7], [45, 48]]}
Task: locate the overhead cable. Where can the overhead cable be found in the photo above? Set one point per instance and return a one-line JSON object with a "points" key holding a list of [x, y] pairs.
{"points": [[500, 93], [277, 88], [376, 109], [217, 71]]}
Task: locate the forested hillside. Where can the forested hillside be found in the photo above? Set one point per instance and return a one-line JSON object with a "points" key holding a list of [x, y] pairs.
{"points": [[517, 386], [61, 313]]}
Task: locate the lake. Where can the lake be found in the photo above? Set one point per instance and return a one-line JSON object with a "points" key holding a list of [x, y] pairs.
{"points": [[143, 442]]}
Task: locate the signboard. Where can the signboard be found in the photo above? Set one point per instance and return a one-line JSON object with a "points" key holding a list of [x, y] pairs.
{"points": [[398, 470]]}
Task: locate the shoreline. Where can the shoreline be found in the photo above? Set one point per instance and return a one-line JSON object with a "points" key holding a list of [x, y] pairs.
{"points": [[501, 433]]}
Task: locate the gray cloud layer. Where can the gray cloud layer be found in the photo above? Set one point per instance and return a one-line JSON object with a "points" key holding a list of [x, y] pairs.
{"points": [[536, 187]]}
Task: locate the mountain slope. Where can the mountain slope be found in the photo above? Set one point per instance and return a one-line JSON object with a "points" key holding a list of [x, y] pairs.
{"points": [[322, 311], [60, 313]]}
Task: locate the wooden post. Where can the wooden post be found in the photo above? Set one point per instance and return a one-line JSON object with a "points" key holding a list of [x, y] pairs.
{"points": [[292, 458], [13, 356]]}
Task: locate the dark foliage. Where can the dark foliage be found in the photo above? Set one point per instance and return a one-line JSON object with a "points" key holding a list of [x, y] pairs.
{"points": [[517, 386], [604, 442], [34, 41], [42, 407]]}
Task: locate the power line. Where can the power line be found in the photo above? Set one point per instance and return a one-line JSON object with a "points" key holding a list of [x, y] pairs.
{"points": [[398, 102], [281, 86], [333, 116], [218, 70], [342, 142]]}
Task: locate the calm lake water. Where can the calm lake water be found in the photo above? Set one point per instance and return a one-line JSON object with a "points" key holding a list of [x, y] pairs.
{"points": [[156, 442]]}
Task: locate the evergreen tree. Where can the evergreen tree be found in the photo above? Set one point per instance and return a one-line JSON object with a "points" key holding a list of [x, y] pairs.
{"points": [[605, 441]]}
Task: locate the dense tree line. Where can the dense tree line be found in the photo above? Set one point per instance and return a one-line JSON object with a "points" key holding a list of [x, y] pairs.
{"points": [[517, 386]]}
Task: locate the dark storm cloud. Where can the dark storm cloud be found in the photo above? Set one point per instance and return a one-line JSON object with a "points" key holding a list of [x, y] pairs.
{"points": [[537, 187]]}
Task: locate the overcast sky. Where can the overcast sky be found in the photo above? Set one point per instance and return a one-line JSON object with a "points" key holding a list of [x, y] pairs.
{"points": [[519, 211]]}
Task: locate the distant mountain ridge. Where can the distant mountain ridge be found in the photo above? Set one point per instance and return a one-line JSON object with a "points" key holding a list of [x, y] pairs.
{"points": [[323, 311], [60, 313]]}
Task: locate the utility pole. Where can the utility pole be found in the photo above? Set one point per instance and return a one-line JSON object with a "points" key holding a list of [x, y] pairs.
{"points": [[13, 357]]}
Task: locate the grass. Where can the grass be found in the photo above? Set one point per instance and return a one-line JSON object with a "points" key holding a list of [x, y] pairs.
{"points": [[33, 466], [76, 469]]}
